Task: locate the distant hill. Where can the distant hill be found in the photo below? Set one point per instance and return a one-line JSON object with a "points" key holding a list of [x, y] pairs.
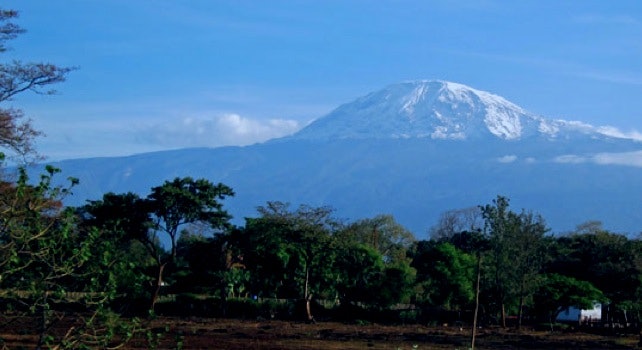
{"points": [[414, 150]]}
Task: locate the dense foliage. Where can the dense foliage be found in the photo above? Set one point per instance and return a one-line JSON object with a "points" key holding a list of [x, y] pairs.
{"points": [[290, 262]]}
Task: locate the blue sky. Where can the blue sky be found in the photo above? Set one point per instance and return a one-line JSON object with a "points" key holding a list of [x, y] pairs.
{"points": [[157, 75]]}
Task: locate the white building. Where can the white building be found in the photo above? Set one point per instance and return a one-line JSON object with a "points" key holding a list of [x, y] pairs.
{"points": [[573, 314]]}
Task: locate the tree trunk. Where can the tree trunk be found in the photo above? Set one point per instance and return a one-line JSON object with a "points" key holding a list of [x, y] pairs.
{"points": [[474, 330], [308, 297], [503, 314], [157, 287], [43, 326], [309, 310], [224, 295], [520, 311]]}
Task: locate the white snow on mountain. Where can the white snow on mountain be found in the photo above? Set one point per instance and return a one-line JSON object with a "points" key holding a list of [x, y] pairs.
{"points": [[441, 110], [502, 118]]}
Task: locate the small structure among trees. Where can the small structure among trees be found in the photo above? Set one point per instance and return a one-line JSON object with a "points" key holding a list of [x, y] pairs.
{"points": [[581, 316]]}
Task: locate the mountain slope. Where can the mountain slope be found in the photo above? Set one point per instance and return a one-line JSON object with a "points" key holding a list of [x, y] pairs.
{"points": [[413, 150]]}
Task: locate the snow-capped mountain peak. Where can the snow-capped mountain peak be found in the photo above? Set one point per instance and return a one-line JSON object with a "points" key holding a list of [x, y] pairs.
{"points": [[434, 109]]}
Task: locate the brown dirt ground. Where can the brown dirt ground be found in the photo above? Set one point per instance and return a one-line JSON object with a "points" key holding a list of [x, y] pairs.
{"points": [[271, 335]]}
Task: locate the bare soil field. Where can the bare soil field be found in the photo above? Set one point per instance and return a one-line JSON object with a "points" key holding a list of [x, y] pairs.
{"points": [[271, 335]]}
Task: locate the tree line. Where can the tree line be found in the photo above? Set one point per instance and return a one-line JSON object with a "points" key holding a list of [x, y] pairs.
{"points": [[306, 254], [175, 252]]}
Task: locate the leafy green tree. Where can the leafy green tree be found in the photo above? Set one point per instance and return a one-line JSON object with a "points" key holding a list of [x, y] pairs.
{"points": [[397, 284], [289, 252], [500, 225], [266, 254], [363, 278], [48, 265], [208, 264], [360, 270], [183, 201], [516, 253], [311, 232], [162, 214], [382, 233], [471, 242], [557, 293], [446, 274], [611, 262], [530, 255], [124, 221]]}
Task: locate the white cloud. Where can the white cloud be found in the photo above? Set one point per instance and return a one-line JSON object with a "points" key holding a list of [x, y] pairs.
{"points": [[570, 158], [615, 132], [622, 158], [214, 131], [507, 159]]}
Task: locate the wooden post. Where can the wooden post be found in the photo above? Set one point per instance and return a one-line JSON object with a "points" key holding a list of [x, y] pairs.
{"points": [[474, 330]]}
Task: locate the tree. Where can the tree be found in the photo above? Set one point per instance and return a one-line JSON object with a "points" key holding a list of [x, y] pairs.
{"points": [[364, 278], [516, 247], [472, 242], [206, 264], [360, 269], [162, 214], [48, 266], [396, 284], [382, 233], [500, 225], [557, 293], [446, 274], [610, 261], [183, 201], [266, 253], [289, 252], [394, 243], [456, 221], [124, 222], [16, 133]]}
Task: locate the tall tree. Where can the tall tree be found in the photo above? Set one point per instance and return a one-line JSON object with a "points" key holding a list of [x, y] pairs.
{"points": [[289, 251], [529, 259], [500, 225], [516, 247], [17, 133], [183, 201], [162, 214], [124, 220]]}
